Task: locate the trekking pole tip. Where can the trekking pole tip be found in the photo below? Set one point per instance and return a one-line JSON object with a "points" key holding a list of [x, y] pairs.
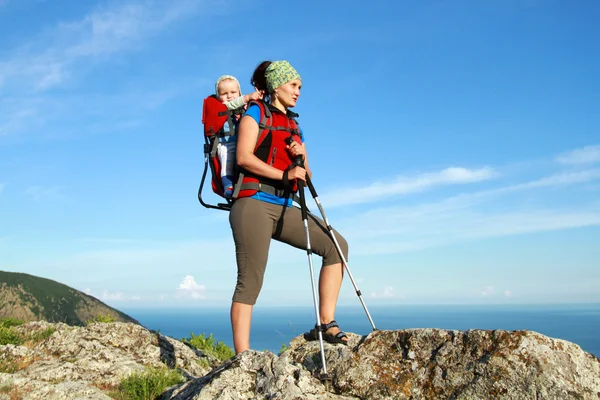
{"points": [[326, 381]]}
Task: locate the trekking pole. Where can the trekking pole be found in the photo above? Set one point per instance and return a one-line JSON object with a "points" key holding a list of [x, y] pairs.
{"points": [[324, 377], [313, 192]]}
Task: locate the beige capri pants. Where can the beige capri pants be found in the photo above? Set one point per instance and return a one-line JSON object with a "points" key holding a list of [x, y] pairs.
{"points": [[254, 223]]}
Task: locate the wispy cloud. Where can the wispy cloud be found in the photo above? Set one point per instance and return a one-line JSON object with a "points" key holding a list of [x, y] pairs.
{"points": [[189, 288], [483, 214], [388, 292], [585, 155], [112, 296], [43, 192], [406, 185], [487, 291], [48, 60], [63, 54]]}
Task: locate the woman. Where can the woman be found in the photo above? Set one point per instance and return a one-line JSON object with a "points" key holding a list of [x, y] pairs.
{"points": [[256, 217]]}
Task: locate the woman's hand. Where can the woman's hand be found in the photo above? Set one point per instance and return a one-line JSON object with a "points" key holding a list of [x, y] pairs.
{"points": [[297, 173], [296, 149]]}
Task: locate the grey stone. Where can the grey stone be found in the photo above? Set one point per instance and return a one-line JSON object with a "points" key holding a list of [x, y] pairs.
{"points": [[87, 362]]}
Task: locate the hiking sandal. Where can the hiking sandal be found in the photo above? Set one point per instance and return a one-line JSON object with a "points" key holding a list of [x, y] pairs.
{"points": [[338, 338], [331, 338]]}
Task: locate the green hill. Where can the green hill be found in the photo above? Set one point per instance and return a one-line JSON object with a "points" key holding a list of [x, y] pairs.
{"points": [[31, 298]]}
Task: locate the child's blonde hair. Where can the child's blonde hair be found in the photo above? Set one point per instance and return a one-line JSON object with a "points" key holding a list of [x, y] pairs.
{"points": [[224, 78]]}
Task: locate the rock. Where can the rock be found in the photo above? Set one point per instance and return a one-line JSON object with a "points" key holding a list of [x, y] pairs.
{"points": [[445, 364], [409, 364], [23, 388], [74, 362], [88, 362], [254, 375]]}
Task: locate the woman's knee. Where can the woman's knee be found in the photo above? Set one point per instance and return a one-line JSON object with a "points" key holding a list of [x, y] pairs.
{"points": [[343, 245], [332, 255]]}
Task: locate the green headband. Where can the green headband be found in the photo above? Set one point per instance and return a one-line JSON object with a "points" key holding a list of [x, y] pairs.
{"points": [[279, 73]]}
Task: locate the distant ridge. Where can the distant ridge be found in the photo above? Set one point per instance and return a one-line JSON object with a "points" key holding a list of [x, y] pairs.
{"points": [[31, 298]]}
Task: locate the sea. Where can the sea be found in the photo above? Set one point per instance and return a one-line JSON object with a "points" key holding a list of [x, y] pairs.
{"points": [[273, 327]]}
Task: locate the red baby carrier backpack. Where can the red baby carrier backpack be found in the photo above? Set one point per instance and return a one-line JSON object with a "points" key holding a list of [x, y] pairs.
{"points": [[215, 116]]}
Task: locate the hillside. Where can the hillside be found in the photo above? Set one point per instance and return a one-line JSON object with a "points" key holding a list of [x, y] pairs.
{"points": [[31, 298]]}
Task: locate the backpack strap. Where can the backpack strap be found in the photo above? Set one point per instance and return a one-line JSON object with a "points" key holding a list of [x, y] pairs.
{"points": [[265, 115], [264, 127], [266, 188]]}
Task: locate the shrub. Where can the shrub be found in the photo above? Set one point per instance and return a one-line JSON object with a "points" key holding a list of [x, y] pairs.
{"points": [[210, 346], [283, 348], [10, 322], [102, 318], [147, 385], [8, 336], [39, 336]]}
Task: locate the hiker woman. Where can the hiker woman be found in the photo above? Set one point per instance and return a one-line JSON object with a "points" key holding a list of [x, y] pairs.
{"points": [[266, 213]]}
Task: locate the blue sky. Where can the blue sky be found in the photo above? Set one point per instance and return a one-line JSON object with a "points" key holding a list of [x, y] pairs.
{"points": [[455, 144]]}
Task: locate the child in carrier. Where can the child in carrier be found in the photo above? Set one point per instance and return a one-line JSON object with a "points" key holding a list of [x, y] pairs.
{"points": [[228, 90]]}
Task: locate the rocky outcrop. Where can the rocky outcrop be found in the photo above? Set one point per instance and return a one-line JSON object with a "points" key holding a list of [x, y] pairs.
{"points": [[410, 364], [87, 362]]}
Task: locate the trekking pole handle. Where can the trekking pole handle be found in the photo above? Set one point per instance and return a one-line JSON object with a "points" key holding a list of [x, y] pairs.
{"points": [[298, 159], [300, 162]]}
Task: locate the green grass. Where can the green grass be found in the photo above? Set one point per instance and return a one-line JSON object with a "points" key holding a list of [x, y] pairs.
{"points": [[40, 336], [103, 318], [208, 345], [10, 322], [283, 348], [147, 385], [8, 336]]}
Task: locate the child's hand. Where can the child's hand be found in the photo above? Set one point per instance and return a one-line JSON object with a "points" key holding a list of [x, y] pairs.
{"points": [[258, 95], [255, 96]]}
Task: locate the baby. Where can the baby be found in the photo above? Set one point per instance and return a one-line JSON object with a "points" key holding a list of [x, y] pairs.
{"points": [[229, 92]]}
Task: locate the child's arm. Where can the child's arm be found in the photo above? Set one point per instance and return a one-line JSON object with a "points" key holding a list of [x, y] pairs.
{"points": [[243, 100], [236, 103]]}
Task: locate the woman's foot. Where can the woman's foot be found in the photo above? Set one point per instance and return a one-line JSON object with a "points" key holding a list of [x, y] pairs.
{"points": [[331, 334]]}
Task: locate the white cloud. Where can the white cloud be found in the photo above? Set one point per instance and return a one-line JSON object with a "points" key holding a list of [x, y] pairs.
{"points": [[507, 293], [562, 179], [189, 288], [70, 50], [106, 295], [88, 291], [484, 214], [43, 193], [487, 291], [48, 60], [387, 293], [585, 155], [396, 231], [135, 298], [405, 185]]}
